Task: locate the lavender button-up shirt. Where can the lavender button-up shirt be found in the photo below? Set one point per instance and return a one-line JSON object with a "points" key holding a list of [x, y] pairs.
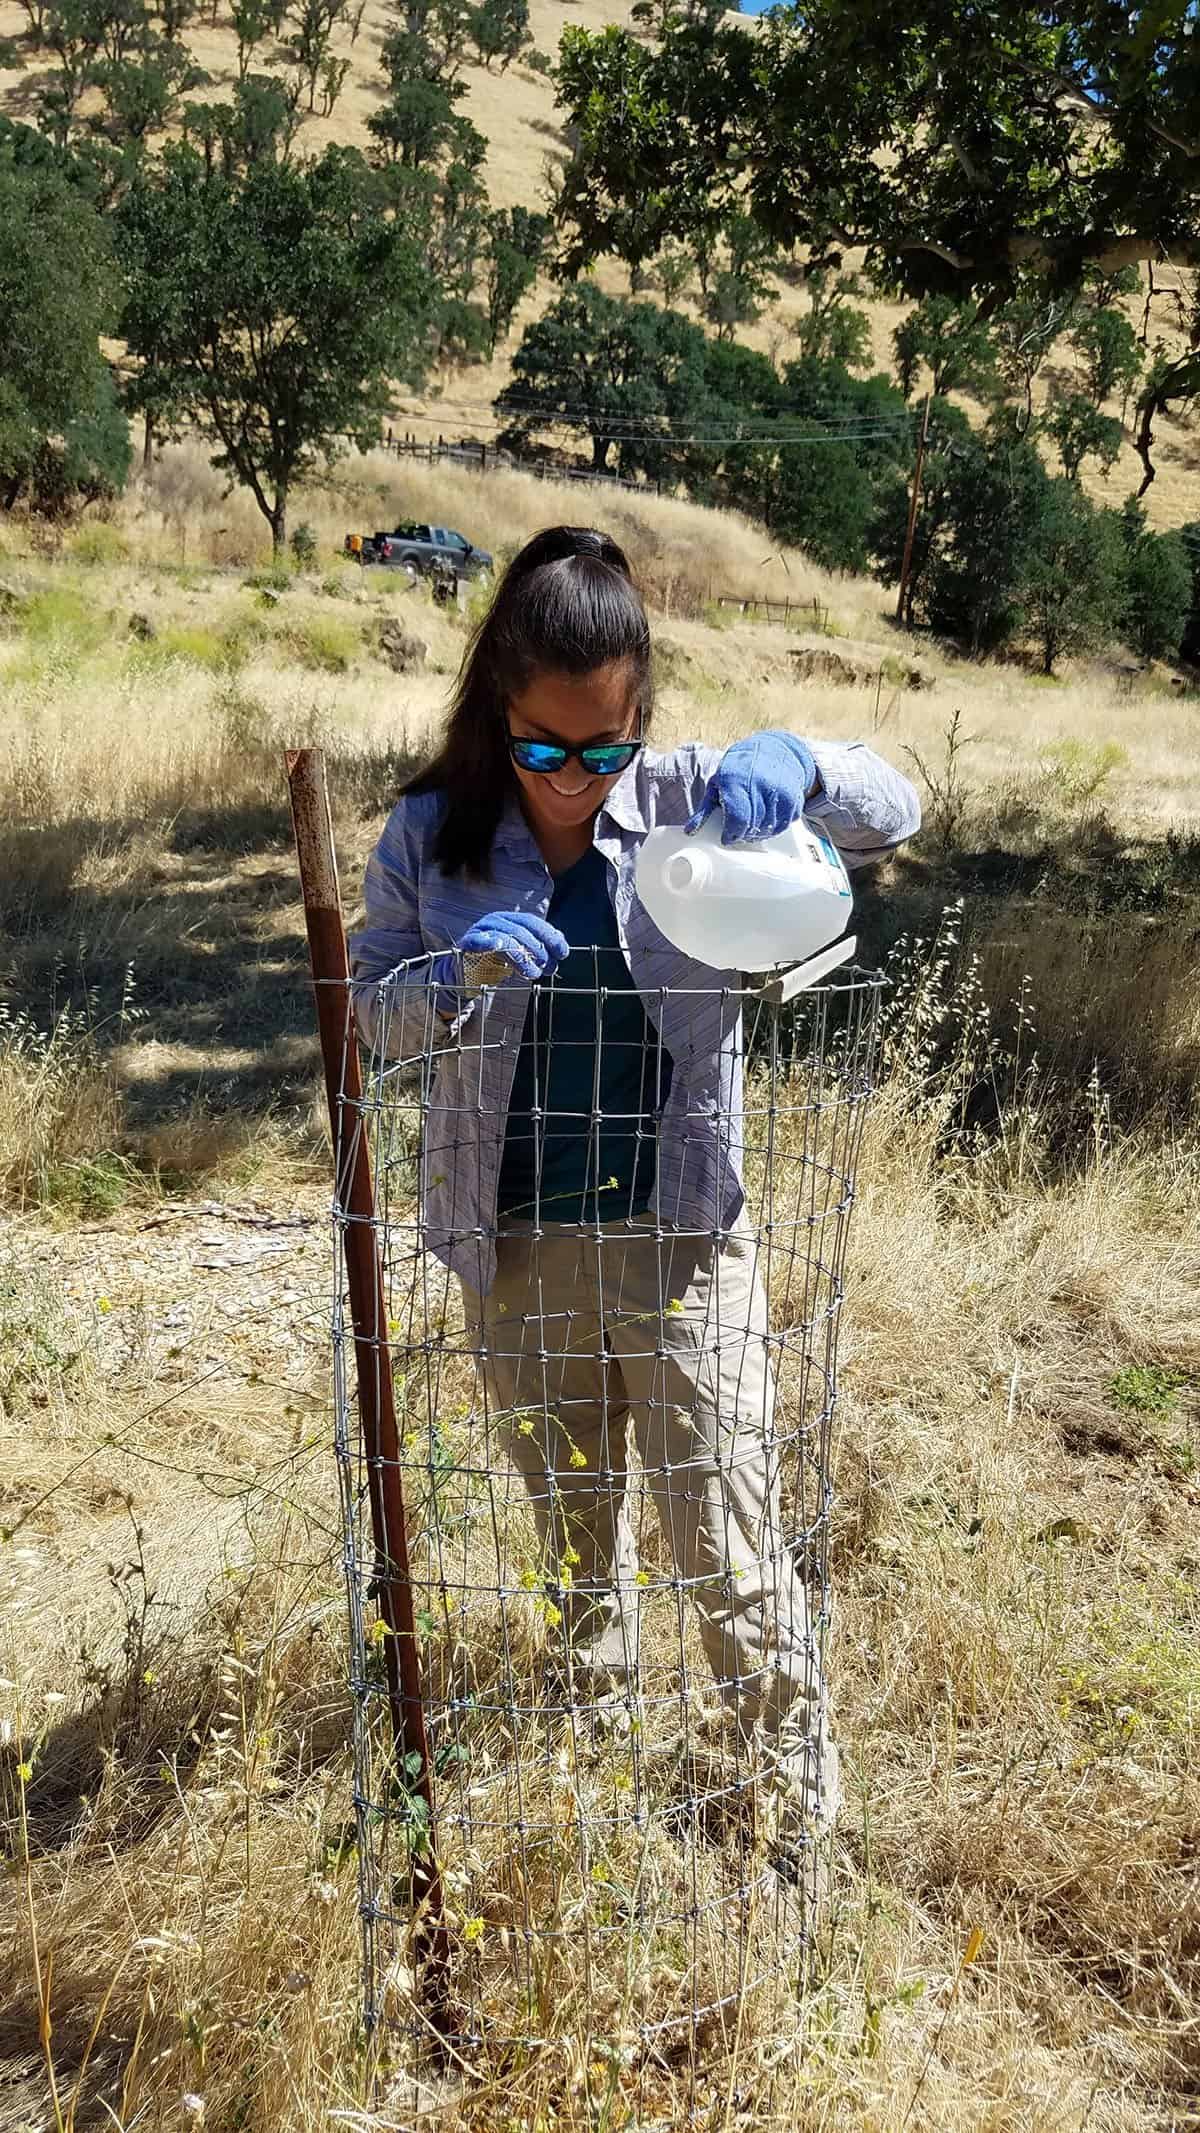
{"points": [[415, 912]]}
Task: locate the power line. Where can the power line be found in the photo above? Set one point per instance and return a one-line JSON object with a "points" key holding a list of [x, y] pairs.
{"points": [[615, 421], [618, 434], [776, 442]]}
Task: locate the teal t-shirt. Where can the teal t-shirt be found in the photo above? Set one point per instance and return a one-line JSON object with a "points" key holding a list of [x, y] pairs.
{"points": [[588, 1172]]}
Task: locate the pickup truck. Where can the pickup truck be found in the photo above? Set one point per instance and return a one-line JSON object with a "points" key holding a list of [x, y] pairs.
{"points": [[422, 551]]}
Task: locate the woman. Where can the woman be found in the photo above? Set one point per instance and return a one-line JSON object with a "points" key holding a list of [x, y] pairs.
{"points": [[580, 1159]]}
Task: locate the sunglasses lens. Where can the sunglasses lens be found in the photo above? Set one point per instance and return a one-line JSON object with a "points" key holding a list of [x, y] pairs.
{"points": [[538, 755], [606, 761]]}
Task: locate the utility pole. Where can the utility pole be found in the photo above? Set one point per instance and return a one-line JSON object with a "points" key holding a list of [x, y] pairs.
{"points": [[913, 501]]}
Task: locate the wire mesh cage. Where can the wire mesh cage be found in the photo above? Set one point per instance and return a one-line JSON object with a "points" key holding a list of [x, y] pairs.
{"points": [[613, 1456], [586, 1495]]}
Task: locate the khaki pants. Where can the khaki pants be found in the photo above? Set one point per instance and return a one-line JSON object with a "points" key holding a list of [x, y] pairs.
{"points": [[585, 1339]]}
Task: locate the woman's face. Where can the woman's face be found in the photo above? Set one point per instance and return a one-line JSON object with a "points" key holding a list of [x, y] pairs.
{"points": [[580, 710]]}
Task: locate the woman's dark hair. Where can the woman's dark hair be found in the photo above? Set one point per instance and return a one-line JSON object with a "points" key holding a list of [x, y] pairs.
{"points": [[567, 604]]}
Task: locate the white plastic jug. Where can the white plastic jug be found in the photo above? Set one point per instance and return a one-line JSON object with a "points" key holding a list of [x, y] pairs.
{"points": [[744, 906]]}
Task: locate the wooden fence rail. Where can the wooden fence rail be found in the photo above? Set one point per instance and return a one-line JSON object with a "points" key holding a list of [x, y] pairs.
{"points": [[486, 458], [809, 612]]}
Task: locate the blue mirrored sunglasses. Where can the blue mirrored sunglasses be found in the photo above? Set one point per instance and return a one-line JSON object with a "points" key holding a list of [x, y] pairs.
{"points": [[605, 760]]}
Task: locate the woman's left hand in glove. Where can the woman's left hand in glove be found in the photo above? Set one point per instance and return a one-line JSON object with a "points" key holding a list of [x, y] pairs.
{"points": [[760, 785]]}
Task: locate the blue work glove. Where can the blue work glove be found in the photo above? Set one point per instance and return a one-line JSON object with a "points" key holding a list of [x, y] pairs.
{"points": [[533, 946], [761, 785]]}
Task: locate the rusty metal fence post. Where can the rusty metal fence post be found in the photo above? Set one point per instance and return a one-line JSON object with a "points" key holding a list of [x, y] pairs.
{"points": [[368, 1311]]}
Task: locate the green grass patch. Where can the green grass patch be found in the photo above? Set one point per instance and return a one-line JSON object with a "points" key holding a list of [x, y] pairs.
{"points": [[53, 631], [278, 577], [325, 643], [59, 617], [90, 1186], [36, 1351], [244, 721], [191, 641], [219, 648], [1147, 1389], [98, 545], [671, 663], [1139, 1670]]}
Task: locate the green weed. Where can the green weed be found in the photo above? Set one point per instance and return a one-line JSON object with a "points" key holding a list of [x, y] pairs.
{"points": [[1078, 769], [304, 546], [90, 1186], [34, 1349], [897, 672], [244, 721], [276, 578], [1137, 1671], [1147, 1389]]}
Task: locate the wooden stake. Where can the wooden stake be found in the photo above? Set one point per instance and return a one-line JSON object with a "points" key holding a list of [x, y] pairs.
{"points": [[368, 1312]]}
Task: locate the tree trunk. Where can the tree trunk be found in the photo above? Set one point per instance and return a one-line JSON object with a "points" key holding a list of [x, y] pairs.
{"points": [[148, 443], [600, 455], [279, 524]]}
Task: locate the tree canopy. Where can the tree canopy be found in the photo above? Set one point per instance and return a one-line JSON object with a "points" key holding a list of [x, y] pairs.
{"points": [[623, 373], [58, 424], [274, 306], [966, 149], [958, 144]]}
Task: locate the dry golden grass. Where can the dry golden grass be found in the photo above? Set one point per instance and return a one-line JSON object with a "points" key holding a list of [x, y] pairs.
{"points": [[1015, 1665], [1016, 1565]]}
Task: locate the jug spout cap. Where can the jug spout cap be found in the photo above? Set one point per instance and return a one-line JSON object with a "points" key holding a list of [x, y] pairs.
{"points": [[687, 870]]}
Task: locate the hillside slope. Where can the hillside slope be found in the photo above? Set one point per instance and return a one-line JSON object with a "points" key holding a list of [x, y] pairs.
{"points": [[516, 112]]}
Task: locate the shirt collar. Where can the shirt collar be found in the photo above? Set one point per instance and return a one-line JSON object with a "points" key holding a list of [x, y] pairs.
{"points": [[623, 805]]}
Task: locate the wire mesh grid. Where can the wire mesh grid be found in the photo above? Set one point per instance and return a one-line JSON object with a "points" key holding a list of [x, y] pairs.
{"points": [[612, 1471]]}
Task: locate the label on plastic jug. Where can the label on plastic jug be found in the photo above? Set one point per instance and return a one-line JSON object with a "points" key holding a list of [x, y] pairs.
{"points": [[829, 853]]}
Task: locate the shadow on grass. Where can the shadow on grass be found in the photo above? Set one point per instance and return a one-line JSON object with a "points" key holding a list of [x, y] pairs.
{"points": [[189, 912], [177, 936]]}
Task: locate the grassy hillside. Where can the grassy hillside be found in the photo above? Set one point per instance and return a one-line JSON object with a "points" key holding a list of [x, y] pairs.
{"points": [[1015, 1648], [516, 113]]}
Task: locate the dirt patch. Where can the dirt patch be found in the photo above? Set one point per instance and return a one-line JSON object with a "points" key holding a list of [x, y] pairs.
{"points": [[817, 663]]}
